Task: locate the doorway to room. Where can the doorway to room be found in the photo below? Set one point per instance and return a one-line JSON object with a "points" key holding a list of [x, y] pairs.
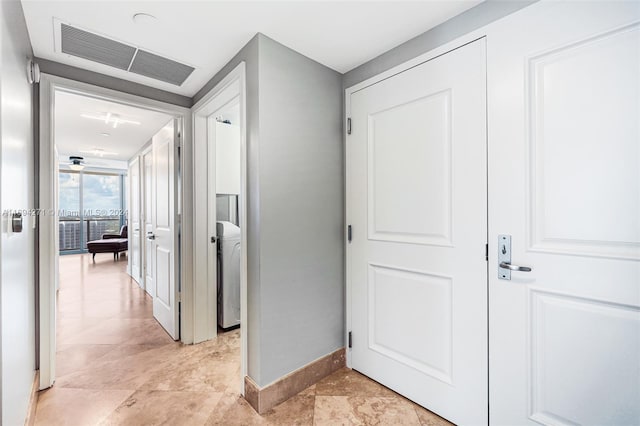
{"points": [[93, 288]]}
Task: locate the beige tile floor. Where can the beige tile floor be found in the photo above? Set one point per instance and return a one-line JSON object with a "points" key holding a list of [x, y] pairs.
{"points": [[117, 366]]}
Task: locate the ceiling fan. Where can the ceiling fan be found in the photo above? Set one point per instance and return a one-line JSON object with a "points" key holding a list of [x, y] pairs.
{"points": [[77, 163]]}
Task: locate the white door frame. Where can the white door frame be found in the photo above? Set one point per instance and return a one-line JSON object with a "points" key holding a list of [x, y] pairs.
{"points": [[47, 176], [205, 291]]}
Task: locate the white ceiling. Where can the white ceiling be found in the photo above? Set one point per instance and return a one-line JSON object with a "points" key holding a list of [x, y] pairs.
{"points": [[207, 34], [74, 133]]}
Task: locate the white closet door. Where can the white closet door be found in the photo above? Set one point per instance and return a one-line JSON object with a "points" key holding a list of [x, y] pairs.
{"points": [[165, 298], [417, 198]]}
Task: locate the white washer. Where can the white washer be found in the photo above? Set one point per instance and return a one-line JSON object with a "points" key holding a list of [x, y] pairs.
{"points": [[228, 274]]}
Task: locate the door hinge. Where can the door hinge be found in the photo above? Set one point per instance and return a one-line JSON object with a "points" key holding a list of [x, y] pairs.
{"points": [[179, 297], [349, 125], [486, 252], [213, 240], [350, 340], [349, 233]]}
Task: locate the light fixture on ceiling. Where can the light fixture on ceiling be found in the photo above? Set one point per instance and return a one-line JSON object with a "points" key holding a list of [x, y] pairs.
{"points": [[98, 152], [105, 134], [76, 163], [109, 118]]}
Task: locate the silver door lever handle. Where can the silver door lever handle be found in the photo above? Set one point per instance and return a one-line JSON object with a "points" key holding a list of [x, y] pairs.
{"points": [[151, 236], [511, 267]]}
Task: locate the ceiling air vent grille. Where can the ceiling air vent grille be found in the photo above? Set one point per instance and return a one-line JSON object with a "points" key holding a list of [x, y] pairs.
{"points": [[160, 68], [93, 47], [87, 45]]}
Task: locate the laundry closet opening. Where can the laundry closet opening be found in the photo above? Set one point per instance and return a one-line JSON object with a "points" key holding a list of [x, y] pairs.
{"points": [[227, 222], [220, 230]]}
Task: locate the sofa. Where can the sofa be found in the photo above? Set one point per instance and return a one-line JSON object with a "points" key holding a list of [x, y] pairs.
{"points": [[110, 243]]}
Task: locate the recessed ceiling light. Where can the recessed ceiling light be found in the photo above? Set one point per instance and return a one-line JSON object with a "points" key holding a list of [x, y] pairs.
{"points": [[143, 18], [106, 135], [109, 118], [98, 152]]}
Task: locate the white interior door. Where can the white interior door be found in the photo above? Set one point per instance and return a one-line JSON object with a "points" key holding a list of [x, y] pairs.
{"points": [[417, 196], [212, 180], [147, 218], [165, 300], [564, 169], [134, 220]]}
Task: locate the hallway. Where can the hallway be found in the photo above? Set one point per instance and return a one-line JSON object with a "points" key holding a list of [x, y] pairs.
{"points": [[117, 366]]}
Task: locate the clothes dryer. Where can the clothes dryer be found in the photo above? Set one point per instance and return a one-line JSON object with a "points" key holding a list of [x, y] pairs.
{"points": [[228, 274]]}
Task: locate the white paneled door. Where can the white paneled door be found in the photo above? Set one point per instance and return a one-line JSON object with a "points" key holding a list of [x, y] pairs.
{"points": [[564, 182], [134, 220], [147, 220], [417, 204], [164, 235]]}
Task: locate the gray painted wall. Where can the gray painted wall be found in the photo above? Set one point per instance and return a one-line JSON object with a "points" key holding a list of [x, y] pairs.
{"points": [[474, 18], [102, 80], [17, 283], [301, 211]]}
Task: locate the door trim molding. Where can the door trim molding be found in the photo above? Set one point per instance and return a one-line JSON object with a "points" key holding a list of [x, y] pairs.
{"points": [[46, 176], [134, 162]]}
